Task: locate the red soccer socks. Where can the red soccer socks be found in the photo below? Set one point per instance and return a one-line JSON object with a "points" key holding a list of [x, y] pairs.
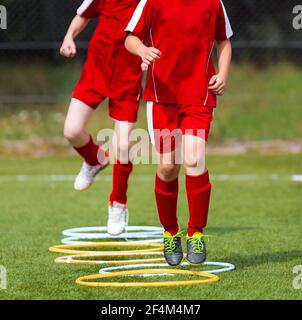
{"points": [[166, 194], [92, 153], [120, 177], [198, 195]]}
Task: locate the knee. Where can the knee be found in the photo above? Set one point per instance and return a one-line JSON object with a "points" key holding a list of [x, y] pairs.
{"points": [[71, 134], [195, 162], [168, 171], [123, 150], [191, 161]]}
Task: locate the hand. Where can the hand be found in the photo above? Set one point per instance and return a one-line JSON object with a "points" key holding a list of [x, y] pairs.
{"points": [[144, 67], [217, 85], [149, 55], [68, 49]]}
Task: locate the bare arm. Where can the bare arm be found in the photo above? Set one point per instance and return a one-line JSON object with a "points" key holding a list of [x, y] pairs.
{"points": [[148, 54], [68, 48], [218, 82]]}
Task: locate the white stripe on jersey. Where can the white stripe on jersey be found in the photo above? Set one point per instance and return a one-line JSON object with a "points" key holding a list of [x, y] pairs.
{"points": [[228, 28], [84, 6], [150, 121], [136, 16]]}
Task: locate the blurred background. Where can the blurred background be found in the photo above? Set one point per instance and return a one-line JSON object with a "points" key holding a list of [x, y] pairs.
{"points": [[260, 111]]}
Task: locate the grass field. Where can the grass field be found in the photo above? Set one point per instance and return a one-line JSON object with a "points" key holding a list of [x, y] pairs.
{"points": [[255, 224], [255, 220]]}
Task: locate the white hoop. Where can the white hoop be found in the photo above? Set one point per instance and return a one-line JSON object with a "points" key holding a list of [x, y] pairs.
{"points": [[77, 240], [81, 235], [226, 267], [79, 259], [101, 232], [133, 235]]}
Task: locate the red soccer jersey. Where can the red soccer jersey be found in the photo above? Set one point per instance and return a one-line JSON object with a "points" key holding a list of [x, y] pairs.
{"points": [[110, 69], [184, 31]]}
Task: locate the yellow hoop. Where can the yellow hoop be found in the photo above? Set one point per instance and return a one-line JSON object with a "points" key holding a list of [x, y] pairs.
{"points": [[69, 248], [85, 281]]}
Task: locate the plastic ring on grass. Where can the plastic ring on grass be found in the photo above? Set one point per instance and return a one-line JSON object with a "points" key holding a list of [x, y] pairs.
{"points": [[75, 259], [86, 280], [226, 267], [101, 233], [77, 240], [69, 248]]}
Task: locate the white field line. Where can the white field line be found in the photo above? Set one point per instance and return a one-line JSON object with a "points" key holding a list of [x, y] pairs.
{"points": [[223, 177], [297, 178]]}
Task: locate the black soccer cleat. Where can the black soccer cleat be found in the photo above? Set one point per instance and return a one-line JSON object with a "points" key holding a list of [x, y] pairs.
{"points": [[172, 248], [196, 248]]}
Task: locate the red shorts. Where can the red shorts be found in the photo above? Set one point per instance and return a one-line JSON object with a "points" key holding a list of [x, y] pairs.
{"points": [[168, 122], [120, 110]]}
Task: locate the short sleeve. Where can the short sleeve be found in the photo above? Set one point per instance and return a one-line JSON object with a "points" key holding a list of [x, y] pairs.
{"points": [[89, 9], [223, 29], [141, 21]]}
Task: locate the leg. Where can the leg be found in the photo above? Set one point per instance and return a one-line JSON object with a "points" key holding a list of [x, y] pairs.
{"points": [[162, 121], [195, 127], [197, 182], [125, 115], [122, 167], [76, 121], [74, 131], [198, 193], [166, 192]]}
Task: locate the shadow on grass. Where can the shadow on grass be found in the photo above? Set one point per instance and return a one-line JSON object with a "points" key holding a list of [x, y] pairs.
{"points": [[255, 260], [225, 230]]}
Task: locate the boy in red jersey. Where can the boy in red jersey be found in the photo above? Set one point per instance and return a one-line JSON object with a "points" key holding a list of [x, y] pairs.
{"points": [[109, 72], [181, 91]]}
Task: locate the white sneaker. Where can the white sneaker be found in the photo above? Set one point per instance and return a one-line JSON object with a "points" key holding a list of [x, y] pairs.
{"points": [[117, 219], [86, 176]]}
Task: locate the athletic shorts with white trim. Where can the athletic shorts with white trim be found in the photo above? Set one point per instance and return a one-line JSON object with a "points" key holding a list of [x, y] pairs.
{"points": [[168, 122]]}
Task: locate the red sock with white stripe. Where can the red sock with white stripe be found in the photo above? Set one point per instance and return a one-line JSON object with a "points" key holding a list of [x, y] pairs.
{"points": [[120, 177], [92, 153], [198, 194], [166, 194]]}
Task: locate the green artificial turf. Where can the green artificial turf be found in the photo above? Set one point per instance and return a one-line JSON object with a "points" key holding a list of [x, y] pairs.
{"points": [[255, 224]]}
